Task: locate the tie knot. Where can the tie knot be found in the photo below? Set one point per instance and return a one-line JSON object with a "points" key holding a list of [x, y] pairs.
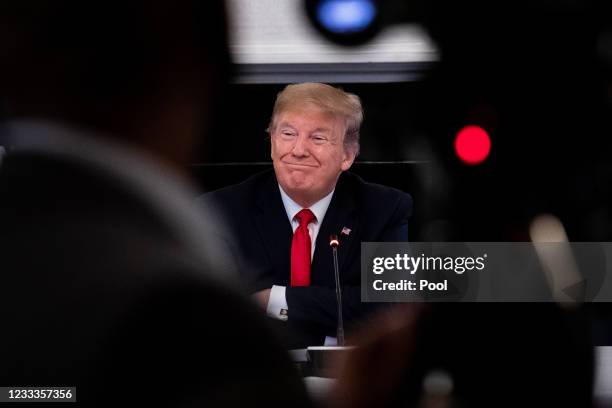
{"points": [[305, 217]]}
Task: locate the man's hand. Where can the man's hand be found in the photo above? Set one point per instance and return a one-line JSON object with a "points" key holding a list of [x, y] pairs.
{"points": [[262, 297]]}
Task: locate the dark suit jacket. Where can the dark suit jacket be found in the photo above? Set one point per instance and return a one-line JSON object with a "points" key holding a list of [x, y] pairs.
{"points": [[97, 292], [262, 237]]}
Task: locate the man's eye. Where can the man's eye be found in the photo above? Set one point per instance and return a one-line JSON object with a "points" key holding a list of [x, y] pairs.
{"points": [[319, 139], [287, 134]]}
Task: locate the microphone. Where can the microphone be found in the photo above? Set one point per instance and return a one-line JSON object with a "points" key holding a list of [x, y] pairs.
{"points": [[334, 243]]}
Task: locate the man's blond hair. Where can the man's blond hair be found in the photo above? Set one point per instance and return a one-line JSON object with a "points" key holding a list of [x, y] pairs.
{"points": [[329, 99]]}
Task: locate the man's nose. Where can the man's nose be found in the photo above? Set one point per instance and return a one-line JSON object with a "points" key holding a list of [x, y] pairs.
{"points": [[300, 147]]}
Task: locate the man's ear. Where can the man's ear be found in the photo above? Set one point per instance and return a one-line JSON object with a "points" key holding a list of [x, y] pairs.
{"points": [[348, 157]]}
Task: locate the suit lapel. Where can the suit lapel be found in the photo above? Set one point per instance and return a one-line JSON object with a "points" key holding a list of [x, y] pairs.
{"points": [[275, 229], [341, 213]]}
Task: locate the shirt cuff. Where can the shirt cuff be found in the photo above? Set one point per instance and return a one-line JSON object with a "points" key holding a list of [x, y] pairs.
{"points": [[330, 341], [277, 304]]}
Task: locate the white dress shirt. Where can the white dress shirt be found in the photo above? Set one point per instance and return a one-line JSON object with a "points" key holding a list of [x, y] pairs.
{"points": [[277, 304]]}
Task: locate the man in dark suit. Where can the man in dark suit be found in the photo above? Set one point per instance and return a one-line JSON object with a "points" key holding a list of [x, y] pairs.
{"points": [[110, 281], [281, 221]]}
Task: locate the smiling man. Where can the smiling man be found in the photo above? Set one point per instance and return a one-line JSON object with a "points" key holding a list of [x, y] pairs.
{"points": [[308, 150], [282, 220]]}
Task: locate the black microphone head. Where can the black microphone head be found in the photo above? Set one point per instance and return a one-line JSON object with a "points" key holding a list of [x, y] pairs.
{"points": [[334, 242]]}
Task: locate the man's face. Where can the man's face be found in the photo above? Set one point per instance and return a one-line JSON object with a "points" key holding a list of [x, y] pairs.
{"points": [[308, 153]]}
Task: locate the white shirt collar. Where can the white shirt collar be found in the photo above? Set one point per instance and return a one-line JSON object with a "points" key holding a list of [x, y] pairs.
{"points": [[318, 209]]}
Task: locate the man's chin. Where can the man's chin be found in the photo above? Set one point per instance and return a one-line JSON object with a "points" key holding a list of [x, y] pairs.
{"points": [[299, 186], [294, 186], [297, 180]]}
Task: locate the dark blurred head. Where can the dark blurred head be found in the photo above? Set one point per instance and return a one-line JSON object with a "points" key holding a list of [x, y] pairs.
{"points": [[147, 72]]}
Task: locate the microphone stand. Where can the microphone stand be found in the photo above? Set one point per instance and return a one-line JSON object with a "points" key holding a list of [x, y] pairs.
{"points": [[334, 243]]}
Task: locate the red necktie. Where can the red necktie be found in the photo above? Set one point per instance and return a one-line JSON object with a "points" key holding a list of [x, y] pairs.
{"points": [[300, 249]]}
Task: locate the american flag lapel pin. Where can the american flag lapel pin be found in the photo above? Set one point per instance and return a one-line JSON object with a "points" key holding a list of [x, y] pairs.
{"points": [[345, 231]]}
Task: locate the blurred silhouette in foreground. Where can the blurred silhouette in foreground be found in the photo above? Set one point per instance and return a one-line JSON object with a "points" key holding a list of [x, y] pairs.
{"points": [[470, 355], [108, 279]]}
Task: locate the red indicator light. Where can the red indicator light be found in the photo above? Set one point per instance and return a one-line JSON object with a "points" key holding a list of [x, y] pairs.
{"points": [[472, 145]]}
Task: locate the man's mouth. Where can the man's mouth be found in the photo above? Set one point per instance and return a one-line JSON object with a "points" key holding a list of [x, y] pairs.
{"points": [[299, 164]]}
